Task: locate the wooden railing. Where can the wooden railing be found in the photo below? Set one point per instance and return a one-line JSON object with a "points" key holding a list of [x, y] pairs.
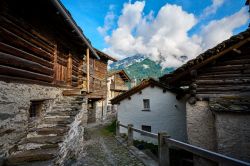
{"points": [[165, 142]]}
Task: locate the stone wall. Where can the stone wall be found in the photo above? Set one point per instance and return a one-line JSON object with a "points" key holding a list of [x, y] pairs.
{"points": [[14, 110], [233, 135], [200, 125]]}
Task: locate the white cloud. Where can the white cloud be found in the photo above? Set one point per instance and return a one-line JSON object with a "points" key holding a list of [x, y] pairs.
{"points": [[218, 30], [164, 37], [213, 8], [108, 21]]}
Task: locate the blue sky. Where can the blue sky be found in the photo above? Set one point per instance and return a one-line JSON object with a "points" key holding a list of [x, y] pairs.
{"points": [[203, 16]]}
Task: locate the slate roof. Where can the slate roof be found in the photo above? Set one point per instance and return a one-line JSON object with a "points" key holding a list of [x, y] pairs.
{"points": [[141, 86]]}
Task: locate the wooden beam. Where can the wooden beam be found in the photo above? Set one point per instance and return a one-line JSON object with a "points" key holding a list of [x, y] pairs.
{"points": [[88, 72], [25, 55], [69, 71], [55, 64], [237, 51], [10, 71], [11, 60], [15, 39]]}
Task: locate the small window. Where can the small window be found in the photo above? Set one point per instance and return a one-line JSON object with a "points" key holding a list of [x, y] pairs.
{"points": [[146, 104], [35, 109], [146, 128]]}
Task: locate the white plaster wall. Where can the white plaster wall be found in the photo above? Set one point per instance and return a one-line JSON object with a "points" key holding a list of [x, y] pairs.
{"points": [[162, 117]]}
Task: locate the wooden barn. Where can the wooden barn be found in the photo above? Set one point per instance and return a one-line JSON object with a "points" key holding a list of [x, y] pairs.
{"points": [[48, 70], [218, 108], [97, 96]]}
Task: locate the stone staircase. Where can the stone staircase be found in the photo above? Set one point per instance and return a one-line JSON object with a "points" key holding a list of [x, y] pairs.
{"points": [[41, 144]]}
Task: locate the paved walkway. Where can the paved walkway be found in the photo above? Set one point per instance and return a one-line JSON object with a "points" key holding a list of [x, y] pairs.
{"points": [[102, 149]]}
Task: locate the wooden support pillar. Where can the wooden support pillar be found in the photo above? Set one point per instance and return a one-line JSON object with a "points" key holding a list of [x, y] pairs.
{"points": [[130, 135], [55, 64], [117, 128], [87, 63], [69, 71], [163, 150]]}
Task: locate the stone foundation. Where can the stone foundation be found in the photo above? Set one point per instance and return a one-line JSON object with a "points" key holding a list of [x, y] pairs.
{"points": [[233, 135], [14, 110]]}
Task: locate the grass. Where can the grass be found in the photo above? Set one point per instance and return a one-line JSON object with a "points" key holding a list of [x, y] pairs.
{"points": [[141, 145], [109, 129]]}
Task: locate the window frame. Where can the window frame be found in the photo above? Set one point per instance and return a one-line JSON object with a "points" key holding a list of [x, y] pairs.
{"points": [[146, 102]]}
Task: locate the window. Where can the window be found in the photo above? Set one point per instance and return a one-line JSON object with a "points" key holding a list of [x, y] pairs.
{"points": [[35, 109], [146, 104], [146, 128]]}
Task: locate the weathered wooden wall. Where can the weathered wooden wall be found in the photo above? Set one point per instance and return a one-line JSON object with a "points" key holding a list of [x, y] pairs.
{"points": [[98, 77], [227, 76], [30, 54]]}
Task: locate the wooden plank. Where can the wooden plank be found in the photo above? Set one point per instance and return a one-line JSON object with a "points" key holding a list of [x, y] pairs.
{"points": [[234, 62], [227, 68], [25, 55], [219, 82], [88, 71], [55, 64], [18, 41], [223, 88], [69, 72], [10, 60], [29, 28], [25, 34], [23, 80], [10, 71]]}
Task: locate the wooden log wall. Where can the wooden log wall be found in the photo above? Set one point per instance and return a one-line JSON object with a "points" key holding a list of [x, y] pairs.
{"points": [[119, 82], [98, 77], [30, 57], [229, 75], [23, 53]]}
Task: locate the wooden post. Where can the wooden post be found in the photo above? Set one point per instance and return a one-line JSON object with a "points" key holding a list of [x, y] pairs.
{"points": [[55, 64], [163, 150], [117, 128], [87, 63], [69, 71], [130, 135]]}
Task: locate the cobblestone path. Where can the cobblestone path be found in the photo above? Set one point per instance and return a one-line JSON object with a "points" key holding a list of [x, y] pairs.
{"points": [[102, 149]]}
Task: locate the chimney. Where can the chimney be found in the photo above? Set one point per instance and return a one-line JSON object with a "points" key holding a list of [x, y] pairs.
{"points": [[133, 82]]}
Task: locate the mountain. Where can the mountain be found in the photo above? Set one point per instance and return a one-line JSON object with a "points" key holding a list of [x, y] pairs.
{"points": [[139, 67], [121, 64]]}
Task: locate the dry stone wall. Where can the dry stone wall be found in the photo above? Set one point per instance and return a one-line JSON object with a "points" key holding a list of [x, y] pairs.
{"points": [[14, 110], [233, 135]]}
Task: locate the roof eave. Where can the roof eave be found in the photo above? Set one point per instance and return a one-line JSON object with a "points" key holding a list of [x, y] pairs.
{"points": [[72, 23]]}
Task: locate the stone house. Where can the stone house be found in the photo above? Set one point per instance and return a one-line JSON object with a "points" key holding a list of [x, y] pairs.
{"points": [[118, 83], [153, 107], [218, 110], [46, 78]]}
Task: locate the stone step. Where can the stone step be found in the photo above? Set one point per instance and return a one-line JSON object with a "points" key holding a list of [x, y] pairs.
{"points": [[62, 113], [33, 146], [31, 155], [59, 131], [68, 102], [58, 120], [43, 140], [66, 108]]}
